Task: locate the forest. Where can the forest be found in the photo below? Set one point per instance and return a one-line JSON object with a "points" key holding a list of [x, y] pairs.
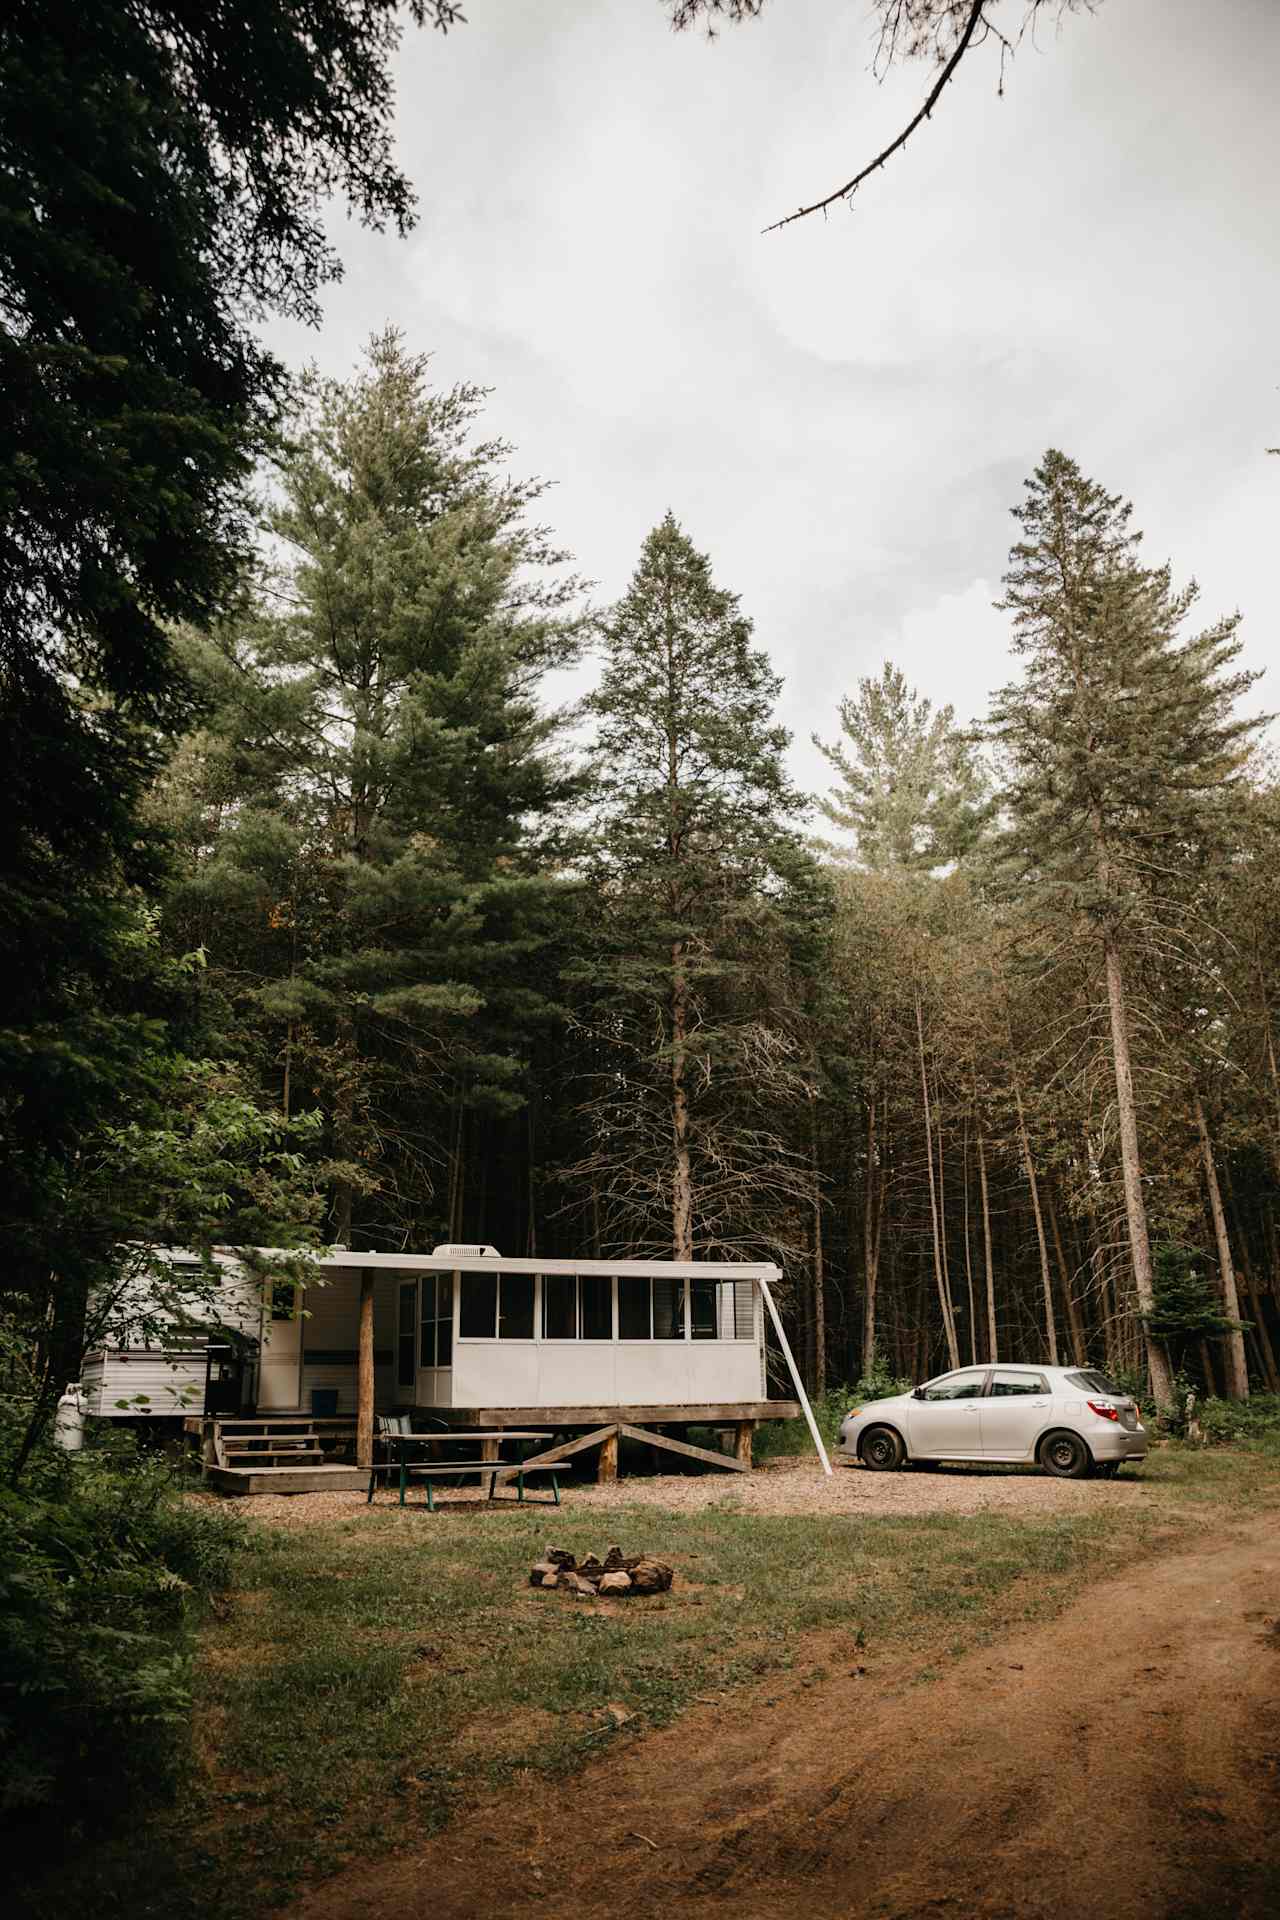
{"points": [[978, 1044], [372, 877]]}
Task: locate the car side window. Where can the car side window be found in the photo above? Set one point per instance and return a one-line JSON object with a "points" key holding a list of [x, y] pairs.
{"points": [[957, 1386], [1006, 1381]]}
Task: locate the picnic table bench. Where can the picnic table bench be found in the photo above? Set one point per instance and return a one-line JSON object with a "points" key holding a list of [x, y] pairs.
{"points": [[408, 1469]]}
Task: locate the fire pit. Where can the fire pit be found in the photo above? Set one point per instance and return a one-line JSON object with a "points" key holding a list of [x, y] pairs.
{"points": [[615, 1577]]}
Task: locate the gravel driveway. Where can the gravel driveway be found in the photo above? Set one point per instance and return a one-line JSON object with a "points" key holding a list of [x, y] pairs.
{"points": [[781, 1486]]}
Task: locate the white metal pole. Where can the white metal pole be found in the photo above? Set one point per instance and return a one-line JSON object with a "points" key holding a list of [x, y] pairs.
{"points": [[795, 1376]]}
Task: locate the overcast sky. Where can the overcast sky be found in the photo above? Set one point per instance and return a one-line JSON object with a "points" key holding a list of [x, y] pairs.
{"points": [[842, 414]]}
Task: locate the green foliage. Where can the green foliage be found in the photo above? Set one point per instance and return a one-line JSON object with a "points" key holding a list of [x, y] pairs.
{"points": [[877, 1381], [164, 174], [376, 900], [102, 1574], [708, 911], [1254, 1422], [912, 791], [1185, 1302]]}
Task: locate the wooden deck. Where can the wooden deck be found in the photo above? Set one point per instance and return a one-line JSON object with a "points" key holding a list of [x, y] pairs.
{"points": [[720, 1414]]}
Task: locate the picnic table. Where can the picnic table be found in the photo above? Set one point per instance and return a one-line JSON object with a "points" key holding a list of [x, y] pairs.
{"points": [[409, 1469]]}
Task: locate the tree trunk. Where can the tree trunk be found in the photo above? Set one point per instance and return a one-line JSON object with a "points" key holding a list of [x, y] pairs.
{"points": [[681, 1177], [968, 1254], [819, 1274], [992, 1343], [1131, 1163], [1261, 1334], [1236, 1369], [872, 1214], [948, 1324], [1046, 1281], [1079, 1345]]}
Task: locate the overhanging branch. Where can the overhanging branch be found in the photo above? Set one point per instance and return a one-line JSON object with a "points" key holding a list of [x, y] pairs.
{"points": [[850, 187]]}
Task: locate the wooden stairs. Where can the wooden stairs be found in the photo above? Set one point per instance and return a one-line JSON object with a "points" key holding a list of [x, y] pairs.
{"points": [[282, 1455]]}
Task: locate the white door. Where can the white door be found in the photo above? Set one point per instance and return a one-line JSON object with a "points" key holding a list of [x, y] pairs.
{"points": [[946, 1421], [1014, 1412], [280, 1362]]}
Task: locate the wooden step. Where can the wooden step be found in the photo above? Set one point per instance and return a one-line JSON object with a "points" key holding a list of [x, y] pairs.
{"points": [[270, 1439], [312, 1456]]}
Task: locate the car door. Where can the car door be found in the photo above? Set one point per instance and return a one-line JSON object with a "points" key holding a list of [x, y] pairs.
{"points": [[1014, 1412], [946, 1416]]}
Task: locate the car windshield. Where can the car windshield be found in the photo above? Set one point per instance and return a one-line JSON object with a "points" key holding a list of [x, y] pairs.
{"points": [[1091, 1381]]}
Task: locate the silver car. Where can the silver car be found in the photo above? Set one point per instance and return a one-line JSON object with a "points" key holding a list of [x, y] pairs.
{"points": [[1072, 1421]]}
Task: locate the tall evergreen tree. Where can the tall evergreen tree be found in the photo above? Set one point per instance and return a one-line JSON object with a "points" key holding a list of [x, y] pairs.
{"points": [[700, 876], [375, 894], [1124, 753], [912, 791]]}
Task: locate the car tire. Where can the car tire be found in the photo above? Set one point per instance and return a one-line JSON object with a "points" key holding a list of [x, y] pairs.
{"points": [[881, 1450], [1065, 1455]]}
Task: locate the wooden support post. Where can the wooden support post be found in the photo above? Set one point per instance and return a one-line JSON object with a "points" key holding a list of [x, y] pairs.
{"points": [[364, 1374], [742, 1442], [607, 1468], [489, 1449]]}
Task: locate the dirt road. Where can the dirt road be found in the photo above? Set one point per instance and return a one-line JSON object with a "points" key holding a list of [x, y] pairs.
{"points": [[1122, 1760]]}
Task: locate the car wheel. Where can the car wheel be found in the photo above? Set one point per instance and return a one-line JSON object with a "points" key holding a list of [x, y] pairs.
{"points": [[881, 1449], [1065, 1455]]}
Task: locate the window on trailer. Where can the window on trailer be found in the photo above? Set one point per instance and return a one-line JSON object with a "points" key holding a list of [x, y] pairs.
{"points": [[577, 1306], [437, 1320]]}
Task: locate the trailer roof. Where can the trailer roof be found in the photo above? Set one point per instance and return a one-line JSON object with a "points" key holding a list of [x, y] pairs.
{"points": [[487, 1263]]}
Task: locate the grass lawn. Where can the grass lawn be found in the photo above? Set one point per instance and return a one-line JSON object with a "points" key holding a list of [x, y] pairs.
{"points": [[367, 1674]]}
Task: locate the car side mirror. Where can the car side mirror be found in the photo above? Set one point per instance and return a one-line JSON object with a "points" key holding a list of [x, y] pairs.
{"points": [[917, 1393]]}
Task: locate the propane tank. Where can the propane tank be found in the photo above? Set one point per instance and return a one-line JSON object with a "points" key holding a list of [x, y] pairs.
{"points": [[68, 1421]]}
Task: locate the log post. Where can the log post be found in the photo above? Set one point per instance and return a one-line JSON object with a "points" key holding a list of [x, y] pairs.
{"points": [[489, 1449], [607, 1463], [742, 1441], [364, 1374]]}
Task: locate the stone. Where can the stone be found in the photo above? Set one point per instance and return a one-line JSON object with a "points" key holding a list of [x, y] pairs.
{"points": [[585, 1589], [590, 1567], [650, 1576], [550, 1580], [613, 1559], [561, 1557], [615, 1582], [543, 1567]]}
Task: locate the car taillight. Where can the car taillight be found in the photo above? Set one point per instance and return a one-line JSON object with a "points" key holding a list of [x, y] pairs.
{"points": [[1105, 1408]]}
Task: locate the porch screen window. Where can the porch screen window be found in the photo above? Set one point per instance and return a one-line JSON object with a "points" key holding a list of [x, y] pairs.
{"points": [[559, 1306], [595, 1306], [668, 1309], [479, 1317], [633, 1308], [515, 1306], [703, 1309], [437, 1320]]}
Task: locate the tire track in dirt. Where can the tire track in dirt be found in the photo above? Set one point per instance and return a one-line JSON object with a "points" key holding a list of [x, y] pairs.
{"points": [[1120, 1760]]}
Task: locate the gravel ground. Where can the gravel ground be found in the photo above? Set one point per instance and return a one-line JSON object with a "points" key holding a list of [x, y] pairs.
{"points": [[782, 1486]]}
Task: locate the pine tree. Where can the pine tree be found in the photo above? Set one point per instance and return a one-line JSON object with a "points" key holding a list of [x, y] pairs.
{"points": [[912, 792], [1123, 753], [701, 880], [374, 894]]}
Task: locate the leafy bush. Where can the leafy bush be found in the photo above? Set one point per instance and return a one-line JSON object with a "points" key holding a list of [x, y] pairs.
{"points": [[829, 1409], [1242, 1422], [102, 1570]]}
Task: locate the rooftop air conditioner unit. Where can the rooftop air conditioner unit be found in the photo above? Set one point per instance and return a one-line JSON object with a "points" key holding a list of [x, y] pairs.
{"points": [[452, 1250]]}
